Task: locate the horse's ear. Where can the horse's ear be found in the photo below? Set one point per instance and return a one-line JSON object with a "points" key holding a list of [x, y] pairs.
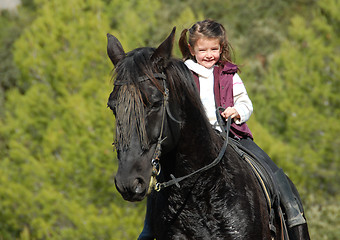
{"points": [[115, 50], [164, 50]]}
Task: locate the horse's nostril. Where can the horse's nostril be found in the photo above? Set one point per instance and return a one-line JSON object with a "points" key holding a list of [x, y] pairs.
{"points": [[133, 189], [138, 185]]}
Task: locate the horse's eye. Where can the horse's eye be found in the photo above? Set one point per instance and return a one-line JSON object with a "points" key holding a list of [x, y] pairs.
{"points": [[157, 104]]}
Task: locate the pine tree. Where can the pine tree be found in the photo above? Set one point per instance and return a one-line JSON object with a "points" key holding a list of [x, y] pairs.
{"points": [[301, 99], [57, 163]]}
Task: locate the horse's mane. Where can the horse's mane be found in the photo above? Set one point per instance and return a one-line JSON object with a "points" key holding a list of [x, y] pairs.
{"points": [[137, 63], [182, 85]]}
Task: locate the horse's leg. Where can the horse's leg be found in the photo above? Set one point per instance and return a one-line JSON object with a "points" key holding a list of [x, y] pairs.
{"points": [[147, 232]]}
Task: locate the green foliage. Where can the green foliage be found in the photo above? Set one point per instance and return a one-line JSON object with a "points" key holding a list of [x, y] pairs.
{"points": [[323, 216], [11, 25], [61, 55], [300, 101], [158, 21], [56, 158], [124, 19], [8, 72]]}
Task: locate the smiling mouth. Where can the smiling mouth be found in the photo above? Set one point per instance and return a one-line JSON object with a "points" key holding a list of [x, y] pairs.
{"points": [[208, 62]]}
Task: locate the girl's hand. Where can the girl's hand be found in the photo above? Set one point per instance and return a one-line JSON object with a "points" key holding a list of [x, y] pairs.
{"points": [[230, 111]]}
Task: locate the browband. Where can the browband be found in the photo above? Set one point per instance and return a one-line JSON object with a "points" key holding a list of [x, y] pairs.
{"points": [[142, 79]]}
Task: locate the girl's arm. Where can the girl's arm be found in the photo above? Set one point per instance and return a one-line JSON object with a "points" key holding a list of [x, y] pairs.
{"points": [[242, 103]]}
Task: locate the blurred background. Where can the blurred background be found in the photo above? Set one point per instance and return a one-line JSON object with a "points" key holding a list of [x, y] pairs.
{"points": [[56, 160]]}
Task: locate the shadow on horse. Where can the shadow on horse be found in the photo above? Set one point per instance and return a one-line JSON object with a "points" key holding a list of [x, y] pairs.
{"points": [[164, 143]]}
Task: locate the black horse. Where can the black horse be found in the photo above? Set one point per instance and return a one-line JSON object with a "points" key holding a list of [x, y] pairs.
{"points": [[161, 126]]}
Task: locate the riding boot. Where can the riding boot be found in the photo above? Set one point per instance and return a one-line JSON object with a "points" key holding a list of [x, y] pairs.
{"points": [[289, 201], [147, 233]]}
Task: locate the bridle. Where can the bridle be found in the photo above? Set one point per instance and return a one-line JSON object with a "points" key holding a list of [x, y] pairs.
{"points": [[175, 181], [155, 161]]}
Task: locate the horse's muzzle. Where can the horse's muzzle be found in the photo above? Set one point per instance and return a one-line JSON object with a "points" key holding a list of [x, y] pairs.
{"points": [[133, 189]]}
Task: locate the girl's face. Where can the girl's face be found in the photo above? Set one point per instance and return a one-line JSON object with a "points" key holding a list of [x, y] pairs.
{"points": [[206, 51]]}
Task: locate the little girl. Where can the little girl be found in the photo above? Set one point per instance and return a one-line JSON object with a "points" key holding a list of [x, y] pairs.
{"points": [[218, 85], [207, 54]]}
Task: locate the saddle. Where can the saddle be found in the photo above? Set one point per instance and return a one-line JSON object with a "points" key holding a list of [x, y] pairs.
{"points": [[266, 180], [264, 175]]}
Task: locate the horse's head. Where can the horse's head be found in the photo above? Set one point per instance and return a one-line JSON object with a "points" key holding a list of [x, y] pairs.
{"points": [[146, 124]]}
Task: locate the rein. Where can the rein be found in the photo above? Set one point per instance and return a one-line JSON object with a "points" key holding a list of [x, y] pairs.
{"points": [[175, 181]]}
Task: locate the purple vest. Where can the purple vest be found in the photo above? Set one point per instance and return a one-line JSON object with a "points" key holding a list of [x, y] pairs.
{"points": [[223, 91]]}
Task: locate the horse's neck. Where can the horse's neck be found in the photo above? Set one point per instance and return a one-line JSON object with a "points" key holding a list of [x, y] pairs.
{"points": [[197, 147]]}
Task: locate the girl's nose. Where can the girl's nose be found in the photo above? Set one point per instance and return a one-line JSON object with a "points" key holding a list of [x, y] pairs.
{"points": [[209, 54]]}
